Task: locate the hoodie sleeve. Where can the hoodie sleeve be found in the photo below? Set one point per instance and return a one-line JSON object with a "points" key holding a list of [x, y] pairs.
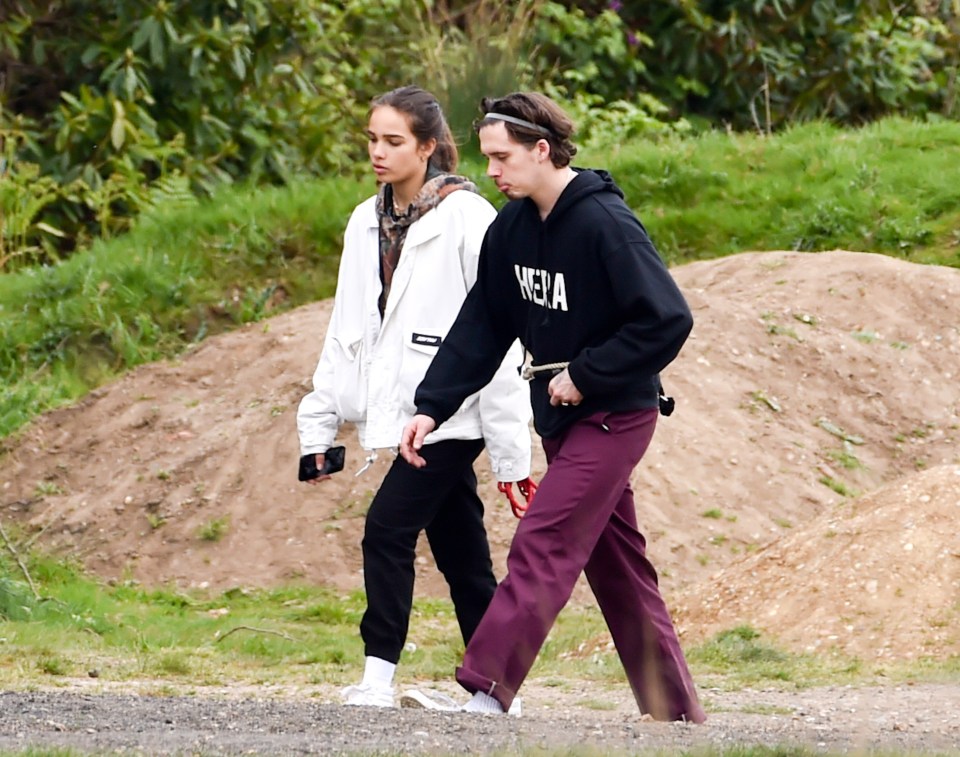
{"points": [[504, 403], [656, 321]]}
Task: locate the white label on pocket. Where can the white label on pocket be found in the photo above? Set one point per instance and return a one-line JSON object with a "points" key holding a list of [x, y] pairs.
{"points": [[426, 339]]}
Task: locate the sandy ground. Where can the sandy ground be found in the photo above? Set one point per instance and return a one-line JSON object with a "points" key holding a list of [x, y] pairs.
{"points": [[921, 719], [808, 484]]}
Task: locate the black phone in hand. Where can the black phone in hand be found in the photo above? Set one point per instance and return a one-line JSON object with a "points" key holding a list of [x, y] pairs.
{"points": [[332, 463]]}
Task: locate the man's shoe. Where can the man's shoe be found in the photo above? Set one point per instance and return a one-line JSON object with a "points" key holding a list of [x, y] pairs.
{"points": [[484, 704], [428, 699], [368, 695]]}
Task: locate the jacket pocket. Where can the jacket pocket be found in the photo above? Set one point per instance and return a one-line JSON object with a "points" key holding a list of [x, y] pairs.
{"points": [[349, 381], [419, 348]]}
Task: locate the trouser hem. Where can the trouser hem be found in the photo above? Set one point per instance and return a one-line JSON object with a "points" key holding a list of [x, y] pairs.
{"points": [[388, 655], [474, 682]]}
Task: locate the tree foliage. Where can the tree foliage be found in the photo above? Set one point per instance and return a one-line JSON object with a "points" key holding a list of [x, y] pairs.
{"points": [[108, 97], [767, 63], [111, 107]]}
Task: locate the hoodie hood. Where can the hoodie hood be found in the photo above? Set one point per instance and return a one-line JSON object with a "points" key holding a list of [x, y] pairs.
{"points": [[588, 181]]}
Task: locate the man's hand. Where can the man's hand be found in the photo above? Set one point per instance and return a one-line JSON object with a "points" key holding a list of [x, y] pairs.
{"points": [[412, 439], [563, 391]]}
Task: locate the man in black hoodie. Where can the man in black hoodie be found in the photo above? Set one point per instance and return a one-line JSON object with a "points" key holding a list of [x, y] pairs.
{"points": [[569, 270]]}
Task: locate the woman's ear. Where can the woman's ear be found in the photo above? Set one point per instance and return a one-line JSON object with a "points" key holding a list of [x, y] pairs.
{"points": [[427, 149]]}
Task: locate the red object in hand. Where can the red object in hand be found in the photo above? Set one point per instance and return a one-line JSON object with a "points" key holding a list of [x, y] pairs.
{"points": [[527, 488]]}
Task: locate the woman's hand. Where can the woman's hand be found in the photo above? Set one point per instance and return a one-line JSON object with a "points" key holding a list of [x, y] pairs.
{"points": [[323, 476]]}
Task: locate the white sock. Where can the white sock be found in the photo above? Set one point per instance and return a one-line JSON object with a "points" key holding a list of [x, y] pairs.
{"points": [[483, 703], [378, 672]]}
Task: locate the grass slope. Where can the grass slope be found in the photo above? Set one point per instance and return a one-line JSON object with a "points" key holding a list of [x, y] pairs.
{"points": [[892, 187], [56, 623]]}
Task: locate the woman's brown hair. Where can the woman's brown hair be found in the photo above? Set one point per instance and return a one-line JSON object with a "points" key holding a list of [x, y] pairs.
{"points": [[425, 117]]}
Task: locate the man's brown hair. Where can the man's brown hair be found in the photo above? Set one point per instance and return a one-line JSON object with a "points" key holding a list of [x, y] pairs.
{"points": [[554, 125]]}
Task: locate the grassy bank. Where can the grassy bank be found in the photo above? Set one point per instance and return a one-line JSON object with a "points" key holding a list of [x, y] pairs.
{"points": [[892, 188], [176, 279], [57, 624]]}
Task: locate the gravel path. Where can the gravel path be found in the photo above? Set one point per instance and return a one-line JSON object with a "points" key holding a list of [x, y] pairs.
{"points": [[897, 718]]}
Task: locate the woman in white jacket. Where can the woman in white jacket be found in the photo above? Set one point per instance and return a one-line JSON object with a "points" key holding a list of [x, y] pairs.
{"points": [[409, 259]]}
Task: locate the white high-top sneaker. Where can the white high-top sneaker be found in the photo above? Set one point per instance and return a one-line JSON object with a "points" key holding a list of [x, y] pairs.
{"points": [[368, 695]]}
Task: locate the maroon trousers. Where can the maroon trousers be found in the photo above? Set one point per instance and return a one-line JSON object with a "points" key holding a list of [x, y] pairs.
{"points": [[583, 519]]}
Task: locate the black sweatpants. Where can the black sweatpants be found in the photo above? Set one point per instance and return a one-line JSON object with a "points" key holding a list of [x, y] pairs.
{"points": [[442, 499]]}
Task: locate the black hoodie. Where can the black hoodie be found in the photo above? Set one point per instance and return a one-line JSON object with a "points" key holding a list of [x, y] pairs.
{"points": [[585, 286]]}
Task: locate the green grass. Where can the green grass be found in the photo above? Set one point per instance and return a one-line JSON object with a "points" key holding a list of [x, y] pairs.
{"points": [[214, 530], [75, 626], [171, 282], [892, 187], [181, 642]]}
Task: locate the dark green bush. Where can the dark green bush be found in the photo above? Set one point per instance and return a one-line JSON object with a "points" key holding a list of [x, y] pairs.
{"points": [[110, 108], [765, 63], [122, 104]]}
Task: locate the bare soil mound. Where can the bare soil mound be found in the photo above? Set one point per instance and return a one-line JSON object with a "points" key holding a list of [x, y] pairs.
{"points": [[877, 577], [808, 379]]}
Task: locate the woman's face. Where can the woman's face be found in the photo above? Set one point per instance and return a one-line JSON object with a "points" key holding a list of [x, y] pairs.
{"points": [[396, 155]]}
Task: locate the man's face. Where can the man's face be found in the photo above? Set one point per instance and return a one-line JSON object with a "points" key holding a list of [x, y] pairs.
{"points": [[515, 168]]}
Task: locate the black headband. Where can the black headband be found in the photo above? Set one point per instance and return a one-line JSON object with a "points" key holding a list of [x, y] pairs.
{"points": [[520, 122]]}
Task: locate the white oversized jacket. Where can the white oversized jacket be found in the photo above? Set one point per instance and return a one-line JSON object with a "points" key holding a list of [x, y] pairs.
{"points": [[369, 369]]}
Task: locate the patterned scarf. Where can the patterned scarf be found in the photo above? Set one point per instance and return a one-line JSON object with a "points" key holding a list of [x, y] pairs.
{"points": [[393, 228]]}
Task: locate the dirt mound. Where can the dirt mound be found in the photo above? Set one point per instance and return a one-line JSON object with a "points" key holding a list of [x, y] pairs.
{"points": [[808, 378], [877, 577]]}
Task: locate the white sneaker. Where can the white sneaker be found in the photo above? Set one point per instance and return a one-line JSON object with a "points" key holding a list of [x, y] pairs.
{"points": [[428, 699], [489, 706], [431, 699], [368, 695]]}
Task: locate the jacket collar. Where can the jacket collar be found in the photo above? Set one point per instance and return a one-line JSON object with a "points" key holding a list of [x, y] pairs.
{"points": [[422, 230]]}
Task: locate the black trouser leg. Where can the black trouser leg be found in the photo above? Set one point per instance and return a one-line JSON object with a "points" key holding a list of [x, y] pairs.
{"points": [[409, 501], [459, 543]]}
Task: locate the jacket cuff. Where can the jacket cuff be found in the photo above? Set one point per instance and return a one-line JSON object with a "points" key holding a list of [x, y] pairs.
{"points": [[315, 449], [510, 470]]}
